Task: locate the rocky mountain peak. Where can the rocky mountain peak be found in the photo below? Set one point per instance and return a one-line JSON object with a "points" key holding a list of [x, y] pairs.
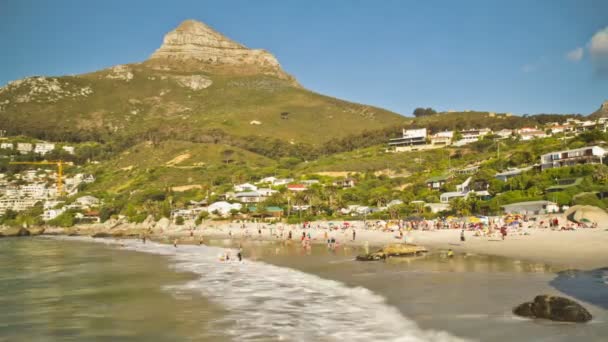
{"points": [[601, 112], [194, 46]]}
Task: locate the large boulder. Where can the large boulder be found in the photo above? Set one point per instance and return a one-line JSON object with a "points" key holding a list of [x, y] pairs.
{"points": [[37, 230], [586, 214], [393, 250], [163, 224], [554, 308], [148, 222], [23, 232]]}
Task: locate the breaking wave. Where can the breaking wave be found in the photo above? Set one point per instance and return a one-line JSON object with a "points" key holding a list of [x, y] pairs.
{"points": [[267, 302]]}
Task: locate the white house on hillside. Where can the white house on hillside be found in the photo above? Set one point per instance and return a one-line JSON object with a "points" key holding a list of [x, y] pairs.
{"points": [[44, 148], [87, 202], [268, 180], [463, 191], [410, 139], [583, 155], [24, 148], [442, 138], [245, 187], [223, 208], [69, 149]]}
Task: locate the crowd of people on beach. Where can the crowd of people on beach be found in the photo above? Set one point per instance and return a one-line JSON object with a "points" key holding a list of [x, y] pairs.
{"points": [[336, 234]]}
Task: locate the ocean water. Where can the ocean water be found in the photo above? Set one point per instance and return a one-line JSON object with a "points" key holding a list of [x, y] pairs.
{"points": [[76, 289]]}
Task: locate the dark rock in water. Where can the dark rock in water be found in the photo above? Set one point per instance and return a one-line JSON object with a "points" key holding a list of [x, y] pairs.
{"points": [[101, 235], [371, 257], [558, 309], [23, 232]]}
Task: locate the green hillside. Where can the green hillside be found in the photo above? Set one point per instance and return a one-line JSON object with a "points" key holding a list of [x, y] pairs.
{"points": [[154, 105]]}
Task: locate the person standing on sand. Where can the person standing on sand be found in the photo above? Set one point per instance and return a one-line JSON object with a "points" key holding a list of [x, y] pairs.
{"points": [[289, 235], [503, 232], [175, 243], [143, 239], [240, 254], [462, 235], [354, 234]]}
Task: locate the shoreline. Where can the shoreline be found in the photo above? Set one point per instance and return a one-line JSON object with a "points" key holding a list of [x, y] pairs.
{"points": [[584, 248]]}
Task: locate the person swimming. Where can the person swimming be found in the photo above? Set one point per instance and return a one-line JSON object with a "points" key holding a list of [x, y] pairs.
{"points": [[450, 253]]}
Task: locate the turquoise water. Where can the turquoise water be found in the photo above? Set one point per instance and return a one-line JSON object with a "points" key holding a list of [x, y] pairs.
{"points": [[67, 290], [70, 291]]}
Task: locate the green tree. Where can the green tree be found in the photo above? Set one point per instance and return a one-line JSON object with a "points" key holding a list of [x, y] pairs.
{"points": [[202, 216]]}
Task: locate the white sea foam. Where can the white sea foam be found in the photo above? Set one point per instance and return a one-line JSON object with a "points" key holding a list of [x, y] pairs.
{"points": [[266, 302]]}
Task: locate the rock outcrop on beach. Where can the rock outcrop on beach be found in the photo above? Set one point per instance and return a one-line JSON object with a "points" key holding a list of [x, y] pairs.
{"points": [[393, 250], [586, 214], [558, 309], [20, 231]]}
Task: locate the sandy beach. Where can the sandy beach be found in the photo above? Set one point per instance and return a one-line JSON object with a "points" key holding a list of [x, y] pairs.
{"points": [[583, 248]]}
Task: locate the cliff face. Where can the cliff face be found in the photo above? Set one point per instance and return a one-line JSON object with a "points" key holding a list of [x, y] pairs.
{"points": [[601, 112], [194, 46]]}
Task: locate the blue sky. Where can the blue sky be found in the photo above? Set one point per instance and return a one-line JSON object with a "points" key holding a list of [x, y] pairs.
{"points": [[505, 56]]}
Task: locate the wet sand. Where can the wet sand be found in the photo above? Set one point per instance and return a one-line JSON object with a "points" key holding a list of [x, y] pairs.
{"points": [[585, 248]]}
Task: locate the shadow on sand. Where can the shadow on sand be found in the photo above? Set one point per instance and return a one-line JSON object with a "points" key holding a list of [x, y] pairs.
{"points": [[588, 286]]}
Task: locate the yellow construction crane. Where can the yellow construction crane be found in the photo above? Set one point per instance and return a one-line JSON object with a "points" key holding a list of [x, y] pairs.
{"points": [[59, 163]]}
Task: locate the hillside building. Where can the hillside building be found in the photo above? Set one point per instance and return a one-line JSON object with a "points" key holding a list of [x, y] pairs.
{"points": [[510, 173], [465, 190], [504, 133], [584, 155], [442, 138], [411, 139], [531, 208], [44, 148], [24, 148], [245, 187], [69, 149], [473, 135], [529, 133], [297, 187], [435, 183], [345, 183]]}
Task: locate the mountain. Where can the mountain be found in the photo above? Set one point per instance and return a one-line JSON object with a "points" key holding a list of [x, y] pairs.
{"points": [[198, 86], [194, 46], [601, 112]]}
